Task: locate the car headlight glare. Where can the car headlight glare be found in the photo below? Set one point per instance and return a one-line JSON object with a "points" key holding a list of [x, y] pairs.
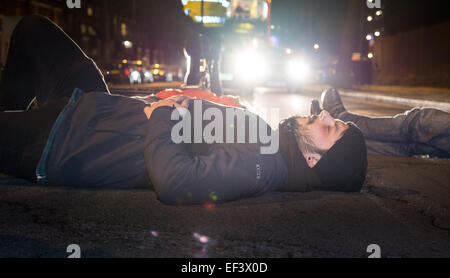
{"points": [[250, 65], [135, 76], [298, 70]]}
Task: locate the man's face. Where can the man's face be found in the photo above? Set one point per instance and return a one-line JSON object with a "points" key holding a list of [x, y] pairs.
{"points": [[324, 129]]}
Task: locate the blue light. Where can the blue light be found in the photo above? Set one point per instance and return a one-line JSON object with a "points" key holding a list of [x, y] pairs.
{"points": [[275, 41]]}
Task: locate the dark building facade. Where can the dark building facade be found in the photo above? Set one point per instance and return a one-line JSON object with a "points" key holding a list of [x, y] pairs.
{"points": [[106, 30]]}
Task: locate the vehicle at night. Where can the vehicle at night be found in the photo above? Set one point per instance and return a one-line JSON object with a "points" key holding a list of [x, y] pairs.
{"points": [[251, 54], [112, 73], [252, 57], [165, 73], [127, 71], [266, 66], [158, 72]]}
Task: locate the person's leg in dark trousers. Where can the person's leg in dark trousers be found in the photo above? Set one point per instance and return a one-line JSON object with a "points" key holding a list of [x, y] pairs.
{"points": [[42, 62], [23, 137], [193, 56], [45, 63], [418, 131], [403, 149]]}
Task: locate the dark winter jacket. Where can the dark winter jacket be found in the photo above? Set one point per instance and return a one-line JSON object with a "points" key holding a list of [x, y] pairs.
{"points": [[103, 140]]}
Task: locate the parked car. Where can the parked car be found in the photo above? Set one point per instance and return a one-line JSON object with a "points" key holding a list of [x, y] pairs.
{"points": [[112, 73], [126, 72]]}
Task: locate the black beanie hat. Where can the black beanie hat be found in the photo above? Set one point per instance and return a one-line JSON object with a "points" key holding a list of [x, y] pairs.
{"points": [[344, 166]]}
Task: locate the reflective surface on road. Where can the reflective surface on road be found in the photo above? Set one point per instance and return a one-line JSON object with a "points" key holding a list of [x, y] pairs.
{"points": [[264, 99]]}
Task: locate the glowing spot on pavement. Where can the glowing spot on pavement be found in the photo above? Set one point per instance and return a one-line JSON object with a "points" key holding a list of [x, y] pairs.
{"points": [[201, 238], [209, 205]]}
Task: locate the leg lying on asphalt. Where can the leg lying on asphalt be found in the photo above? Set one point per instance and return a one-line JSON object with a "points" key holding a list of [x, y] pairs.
{"points": [[43, 62], [403, 149], [416, 131], [23, 137]]}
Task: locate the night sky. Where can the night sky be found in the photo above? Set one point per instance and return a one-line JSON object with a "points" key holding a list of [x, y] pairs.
{"points": [[302, 22], [405, 15]]}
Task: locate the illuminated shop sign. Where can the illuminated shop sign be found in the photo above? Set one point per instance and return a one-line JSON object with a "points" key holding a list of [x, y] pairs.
{"points": [[215, 12]]}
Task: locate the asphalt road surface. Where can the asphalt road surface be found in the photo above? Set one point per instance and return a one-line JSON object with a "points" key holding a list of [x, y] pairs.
{"points": [[403, 208], [299, 103]]}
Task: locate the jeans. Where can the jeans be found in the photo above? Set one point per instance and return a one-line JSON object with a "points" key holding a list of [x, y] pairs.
{"points": [[42, 62], [419, 131]]}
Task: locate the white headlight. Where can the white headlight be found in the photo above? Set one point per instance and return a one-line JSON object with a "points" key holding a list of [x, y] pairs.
{"points": [[251, 65], [298, 70], [135, 75], [148, 76]]}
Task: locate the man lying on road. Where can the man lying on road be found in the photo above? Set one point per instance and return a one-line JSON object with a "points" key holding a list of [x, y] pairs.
{"points": [[81, 135]]}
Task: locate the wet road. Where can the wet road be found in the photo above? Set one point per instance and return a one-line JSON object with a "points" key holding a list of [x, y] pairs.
{"points": [[262, 100]]}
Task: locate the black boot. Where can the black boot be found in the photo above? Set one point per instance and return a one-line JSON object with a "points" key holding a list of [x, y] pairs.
{"points": [[331, 101], [315, 107]]}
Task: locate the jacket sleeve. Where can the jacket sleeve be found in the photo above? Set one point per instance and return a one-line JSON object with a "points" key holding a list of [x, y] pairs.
{"points": [[227, 172]]}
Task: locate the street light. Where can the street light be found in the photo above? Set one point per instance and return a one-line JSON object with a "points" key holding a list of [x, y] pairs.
{"points": [[316, 46], [377, 33], [379, 12], [370, 55], [369, 37], [369, 18], [128, 44]]}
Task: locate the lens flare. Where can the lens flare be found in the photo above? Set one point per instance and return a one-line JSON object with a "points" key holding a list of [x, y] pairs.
{"points": [[209, 206], [201, 238], [251, 65], [298, 70]]}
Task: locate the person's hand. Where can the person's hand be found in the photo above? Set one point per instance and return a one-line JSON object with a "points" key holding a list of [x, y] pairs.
{"points": [[177, 101], [182, 100]]}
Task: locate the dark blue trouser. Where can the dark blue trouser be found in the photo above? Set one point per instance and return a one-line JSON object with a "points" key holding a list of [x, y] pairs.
{"points": [[419, 131], [43, 62]]}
